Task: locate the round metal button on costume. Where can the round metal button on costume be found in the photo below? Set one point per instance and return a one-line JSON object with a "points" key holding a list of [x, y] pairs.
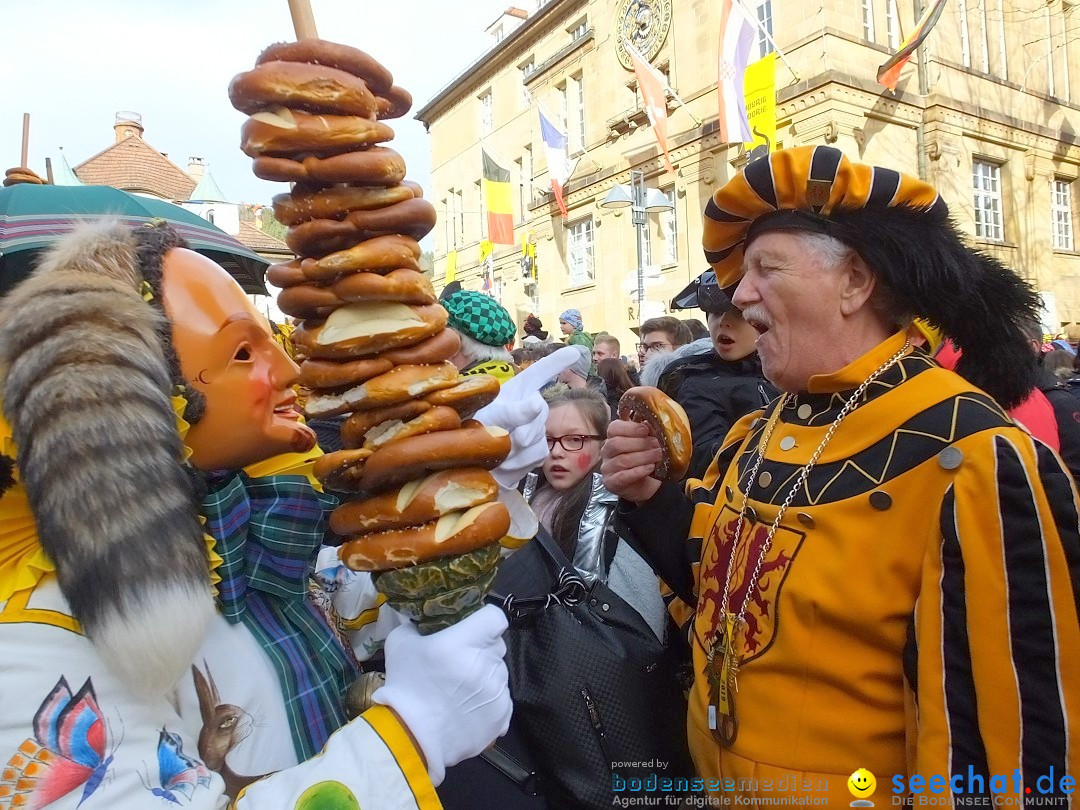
{"points": [[764, 479], [880, 500], [787, 442], [729, 493], [950, 458], [806, 520], [805, 411]]}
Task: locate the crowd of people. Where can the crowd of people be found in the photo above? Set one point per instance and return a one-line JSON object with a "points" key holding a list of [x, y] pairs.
{"points": [[872, 561]]}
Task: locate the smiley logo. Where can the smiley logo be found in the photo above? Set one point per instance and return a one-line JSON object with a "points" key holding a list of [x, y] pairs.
{"points": [[862, 784]]}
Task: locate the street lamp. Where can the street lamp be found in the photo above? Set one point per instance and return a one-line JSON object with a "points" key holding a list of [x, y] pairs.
{"points": [[641, 201]]}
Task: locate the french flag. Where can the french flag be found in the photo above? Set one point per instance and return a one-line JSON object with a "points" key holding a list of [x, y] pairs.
{"points": [[736, 40], [560, 167]]}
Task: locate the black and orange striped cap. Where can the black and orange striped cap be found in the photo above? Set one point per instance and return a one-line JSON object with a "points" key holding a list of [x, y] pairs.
{"points": [[798, 189]]}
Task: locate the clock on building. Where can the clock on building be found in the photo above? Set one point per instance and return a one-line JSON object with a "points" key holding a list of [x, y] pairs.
{"points": [[642, 23]]}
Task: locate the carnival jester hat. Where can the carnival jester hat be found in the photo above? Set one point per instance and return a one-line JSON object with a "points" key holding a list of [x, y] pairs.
{"points": [[901, 228]]}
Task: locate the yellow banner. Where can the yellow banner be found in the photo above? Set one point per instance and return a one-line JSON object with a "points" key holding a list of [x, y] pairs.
{"points": [[760, 93], [451, 267], [486, 247]]}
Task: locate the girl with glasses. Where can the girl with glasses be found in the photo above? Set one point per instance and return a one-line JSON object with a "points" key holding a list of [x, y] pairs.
{"points": [[546, 737]]}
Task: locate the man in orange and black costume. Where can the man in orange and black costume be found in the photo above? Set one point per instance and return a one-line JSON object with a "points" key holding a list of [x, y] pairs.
{"points": [[885, 567]]}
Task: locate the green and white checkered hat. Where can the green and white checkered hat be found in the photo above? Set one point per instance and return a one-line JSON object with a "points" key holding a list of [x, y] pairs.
{"points": [[480, 317]]}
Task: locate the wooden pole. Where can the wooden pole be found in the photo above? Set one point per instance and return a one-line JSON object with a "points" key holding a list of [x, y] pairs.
{"points": [[302, 19], [25, 140]]}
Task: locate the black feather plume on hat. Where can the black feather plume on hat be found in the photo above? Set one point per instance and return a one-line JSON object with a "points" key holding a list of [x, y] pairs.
{"points": [[973, 298]]}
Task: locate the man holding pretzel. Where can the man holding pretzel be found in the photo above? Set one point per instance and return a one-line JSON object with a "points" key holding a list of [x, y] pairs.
{"points": [[884, 566]]}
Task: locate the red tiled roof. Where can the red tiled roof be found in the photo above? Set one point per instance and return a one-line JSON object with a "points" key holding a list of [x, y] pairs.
{"points": [[251, 237], [133, 165]]}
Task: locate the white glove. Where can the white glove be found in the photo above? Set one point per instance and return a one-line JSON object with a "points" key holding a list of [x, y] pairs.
{"points": [[520, 410], [450, 688]]}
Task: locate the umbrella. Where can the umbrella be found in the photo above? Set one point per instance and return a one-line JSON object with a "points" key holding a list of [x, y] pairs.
{"points": [[32, 217]]}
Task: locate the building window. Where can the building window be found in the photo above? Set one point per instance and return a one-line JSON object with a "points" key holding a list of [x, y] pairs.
{"points": [[985, 38], [1061, 214], [764, 17], [892, 23], [522, 203], [1003, 68], [500, 34], [562, 106], [460, 202], [669, 231], [526, 94], [451, 217], [210, 216], [1065, 57], [965, 38], [483, 213], [1050, 86], [986, 183], [579, 254], [579, 30], [526, 178], [868, 20], [577, 112], [486, 120]]}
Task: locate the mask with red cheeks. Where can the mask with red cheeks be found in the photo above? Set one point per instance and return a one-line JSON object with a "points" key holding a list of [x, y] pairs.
{"points": [[227, 353]]}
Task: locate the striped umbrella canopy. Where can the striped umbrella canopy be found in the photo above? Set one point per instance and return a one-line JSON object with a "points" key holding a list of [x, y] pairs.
{"points": [[32, 217]]}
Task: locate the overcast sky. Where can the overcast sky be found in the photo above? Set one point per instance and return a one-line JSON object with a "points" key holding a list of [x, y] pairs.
{"points": [[72, 64]]}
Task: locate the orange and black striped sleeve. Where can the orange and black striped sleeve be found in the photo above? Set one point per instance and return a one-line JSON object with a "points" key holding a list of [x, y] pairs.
{"points": [[994, 655]]}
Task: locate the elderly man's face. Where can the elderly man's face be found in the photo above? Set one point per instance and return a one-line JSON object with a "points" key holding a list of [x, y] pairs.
{"points": [[795, 305]]}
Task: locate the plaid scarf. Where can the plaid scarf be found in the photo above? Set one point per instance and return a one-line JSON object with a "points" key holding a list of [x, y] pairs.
{"points": [[268, 532]]}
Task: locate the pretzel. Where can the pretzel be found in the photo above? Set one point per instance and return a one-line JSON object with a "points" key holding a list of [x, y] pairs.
{"points": [[283, 132], [394, 103], [308, 301], [317, 237], [397, 385], [405, 286], [333, 55], [341, 471], [357, 426], [474, 445], [361, 330], [668, 423], [449, 536], [334, 203], [416, 502], [286, 274], [428, 422], [296, 85], [440, 346], [376, 166], [469, 395], [327, 374], [383, 253]]}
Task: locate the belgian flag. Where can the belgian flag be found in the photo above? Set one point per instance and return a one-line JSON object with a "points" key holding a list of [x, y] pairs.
{"points": [[498, 201]]}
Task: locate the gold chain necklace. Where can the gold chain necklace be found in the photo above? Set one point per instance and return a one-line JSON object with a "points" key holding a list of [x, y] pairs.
{"points": [[724, 683]]}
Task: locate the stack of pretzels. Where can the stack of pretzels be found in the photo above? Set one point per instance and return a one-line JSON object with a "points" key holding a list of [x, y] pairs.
{"points": [[421, 505]]}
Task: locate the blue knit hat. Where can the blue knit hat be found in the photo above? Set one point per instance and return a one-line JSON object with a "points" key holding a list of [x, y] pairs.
{"points": [[572, 317]]}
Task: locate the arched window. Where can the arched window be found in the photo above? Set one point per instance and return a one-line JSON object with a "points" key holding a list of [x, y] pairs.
{"points": [[210, 216]]}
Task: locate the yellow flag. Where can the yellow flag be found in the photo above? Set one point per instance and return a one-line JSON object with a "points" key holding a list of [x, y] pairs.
{"points": [[451, 267], [486, 246], [760, 94]]}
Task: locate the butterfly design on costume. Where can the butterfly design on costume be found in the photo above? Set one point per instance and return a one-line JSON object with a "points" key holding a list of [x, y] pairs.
{"points": [[67, 751], [178, 774]]}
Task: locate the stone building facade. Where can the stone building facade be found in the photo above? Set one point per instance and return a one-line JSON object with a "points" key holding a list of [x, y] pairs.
{"points": [[986, 111]]}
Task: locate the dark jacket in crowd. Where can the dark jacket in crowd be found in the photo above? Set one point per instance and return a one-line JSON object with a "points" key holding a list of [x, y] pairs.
{"points": [[1063, 399], [715, 393]]}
